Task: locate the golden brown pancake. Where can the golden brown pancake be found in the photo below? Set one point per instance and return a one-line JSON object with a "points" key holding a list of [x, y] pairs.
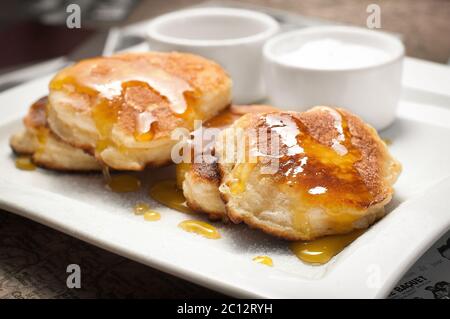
{"points": [[46, 149], [200, 181], [333, 174], [123, 109]]}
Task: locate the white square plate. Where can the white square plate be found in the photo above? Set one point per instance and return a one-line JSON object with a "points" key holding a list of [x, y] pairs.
{"points": [[80, 206]]}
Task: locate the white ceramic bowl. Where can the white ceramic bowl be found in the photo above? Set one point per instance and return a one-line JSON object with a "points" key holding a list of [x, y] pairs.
{"points": [[232, 37], [371, 91]]}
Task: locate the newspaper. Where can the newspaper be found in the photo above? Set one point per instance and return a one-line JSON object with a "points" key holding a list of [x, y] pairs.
{"points": [[429, 278]]}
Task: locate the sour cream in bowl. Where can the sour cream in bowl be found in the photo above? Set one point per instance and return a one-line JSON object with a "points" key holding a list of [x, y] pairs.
{"points": [[349, 67]]}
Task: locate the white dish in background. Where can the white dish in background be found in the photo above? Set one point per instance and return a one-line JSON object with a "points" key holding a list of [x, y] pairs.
{"points": [[370, 88], [232, 37], [80, 206]]}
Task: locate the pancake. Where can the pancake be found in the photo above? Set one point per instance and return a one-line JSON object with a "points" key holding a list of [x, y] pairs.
{"points": [[46, 149], [123, 109], [200, 181], [333, 173]]}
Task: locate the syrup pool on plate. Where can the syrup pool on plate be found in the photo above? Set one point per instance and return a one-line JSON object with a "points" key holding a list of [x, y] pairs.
{"points": [[140, 208], [122, 183], [321, 250], [167, 193], [152, 215], [25, 163], [200, 228], [144, 210], [265, 260]]}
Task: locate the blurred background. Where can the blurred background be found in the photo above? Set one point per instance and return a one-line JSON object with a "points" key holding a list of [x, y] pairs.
{"points": [[35, 30]]}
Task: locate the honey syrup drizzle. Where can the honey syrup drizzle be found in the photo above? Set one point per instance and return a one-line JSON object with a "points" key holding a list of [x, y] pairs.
{"points": [[42, 137], [167, 193], [223, 119], [320, 251], [322, 176], [241, 173], [25, 163], [265, 260], [181, 170], [106, 82], [140, 208], [152, 216], [328, 179], [121, 183], [143, 209], [201, 228], [36, 119]]}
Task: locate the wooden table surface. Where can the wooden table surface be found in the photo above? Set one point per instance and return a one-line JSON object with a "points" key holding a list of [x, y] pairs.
{"points": [[33, 258], [424, 24]]}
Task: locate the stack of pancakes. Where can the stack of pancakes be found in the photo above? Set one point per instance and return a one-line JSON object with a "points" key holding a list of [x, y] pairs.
{"points": [[334, 174], [120, 111]]}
